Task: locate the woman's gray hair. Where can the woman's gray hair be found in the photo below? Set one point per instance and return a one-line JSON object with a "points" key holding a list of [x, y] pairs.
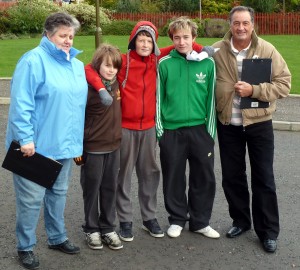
{"points": [[56, 20], [242, 8]]}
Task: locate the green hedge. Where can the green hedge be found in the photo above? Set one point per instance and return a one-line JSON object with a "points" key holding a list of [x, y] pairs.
{"points": [[215, 28], [28, 17], [120, 28]]}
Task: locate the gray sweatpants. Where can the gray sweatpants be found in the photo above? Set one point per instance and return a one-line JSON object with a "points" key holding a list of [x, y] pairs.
{"points": [[138, 150]]}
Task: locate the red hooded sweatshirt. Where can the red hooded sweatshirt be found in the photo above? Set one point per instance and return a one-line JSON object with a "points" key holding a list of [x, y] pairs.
{"points": [[137, 79]]}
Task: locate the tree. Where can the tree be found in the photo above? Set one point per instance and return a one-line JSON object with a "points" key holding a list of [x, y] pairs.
{"points": [[266, 6], [153, 5], [129, 6], [216, 7], [109, 4], [181, 5], [290, 5]]}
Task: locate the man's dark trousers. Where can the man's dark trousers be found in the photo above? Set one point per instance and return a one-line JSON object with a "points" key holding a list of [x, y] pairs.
{"points": [[259, 139]]}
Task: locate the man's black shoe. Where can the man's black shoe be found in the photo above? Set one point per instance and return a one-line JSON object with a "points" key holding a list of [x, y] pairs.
{"points": [[153, 228], [270, 245], [236, 231], [28, 259], [66, 247]]}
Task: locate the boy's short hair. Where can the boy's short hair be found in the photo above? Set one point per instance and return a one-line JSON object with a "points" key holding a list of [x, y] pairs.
{"points": [[182, 23], [105, 51]]}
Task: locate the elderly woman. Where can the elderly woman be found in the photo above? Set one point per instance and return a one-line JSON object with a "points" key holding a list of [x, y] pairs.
{"points": [[48, 97]]}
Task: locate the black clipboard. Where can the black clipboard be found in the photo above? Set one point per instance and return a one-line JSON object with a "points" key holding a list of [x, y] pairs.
{"points": [[37, 168], [255, 71]]}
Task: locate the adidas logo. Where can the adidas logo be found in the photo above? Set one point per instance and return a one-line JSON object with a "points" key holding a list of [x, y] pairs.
{"points": [[200, 77]]}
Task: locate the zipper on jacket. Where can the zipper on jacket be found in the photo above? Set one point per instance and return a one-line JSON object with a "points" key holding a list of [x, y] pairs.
{"points": [[143, 99], [114, 111], [188, 89]]}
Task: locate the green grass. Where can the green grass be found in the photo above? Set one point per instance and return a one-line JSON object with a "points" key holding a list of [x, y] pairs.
{"points": [[12, 50]]}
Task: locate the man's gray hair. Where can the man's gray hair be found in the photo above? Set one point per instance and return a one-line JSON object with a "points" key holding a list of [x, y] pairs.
{"points": [[56, 20], [242, 8]]}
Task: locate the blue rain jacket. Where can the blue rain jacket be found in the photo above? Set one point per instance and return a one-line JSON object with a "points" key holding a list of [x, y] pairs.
{"points": [[48, 98]]}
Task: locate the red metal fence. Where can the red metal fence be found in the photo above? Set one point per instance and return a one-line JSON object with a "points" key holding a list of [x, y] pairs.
{"points": [[265, 23]]}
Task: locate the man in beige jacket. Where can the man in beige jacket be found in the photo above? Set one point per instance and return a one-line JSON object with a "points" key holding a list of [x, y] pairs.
{"points": [[238, 128]]}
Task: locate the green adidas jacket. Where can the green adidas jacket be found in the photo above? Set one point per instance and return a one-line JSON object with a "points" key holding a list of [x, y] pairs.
{"points": [[185, 94]]}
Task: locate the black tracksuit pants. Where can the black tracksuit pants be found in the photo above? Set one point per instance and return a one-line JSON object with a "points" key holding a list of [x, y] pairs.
{"points": [[195, 145], [99, 178]]}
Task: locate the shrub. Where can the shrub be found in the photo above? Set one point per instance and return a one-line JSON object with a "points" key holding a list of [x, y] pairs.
{"points": [[216, 28], [215, 7], [4, 22], [181, 5], [133, 6], [163, 31], [122, 28], [267, 6], [8, 36], [28, 17], [86, 15], [200, 24]]}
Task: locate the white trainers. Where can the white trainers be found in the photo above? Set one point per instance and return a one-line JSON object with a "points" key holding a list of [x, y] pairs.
{"points": [[112, 240], [174, 230], [94, 240], [209, 232]]}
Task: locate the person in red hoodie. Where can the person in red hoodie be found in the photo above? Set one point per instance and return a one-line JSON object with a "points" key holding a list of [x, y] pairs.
{"points": [[137, 79]]}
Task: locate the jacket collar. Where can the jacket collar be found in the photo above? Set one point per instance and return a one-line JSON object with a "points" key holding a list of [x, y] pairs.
{"points": [[59, 54], [175, 53]]}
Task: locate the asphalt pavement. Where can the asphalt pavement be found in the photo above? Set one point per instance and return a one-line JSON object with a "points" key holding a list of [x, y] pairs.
{"points": [[190, 250]]}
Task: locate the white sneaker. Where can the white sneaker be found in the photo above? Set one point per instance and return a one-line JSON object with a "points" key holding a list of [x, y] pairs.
{"points": [[209, 232], [94, 240], [112, 240], [174, 230]]}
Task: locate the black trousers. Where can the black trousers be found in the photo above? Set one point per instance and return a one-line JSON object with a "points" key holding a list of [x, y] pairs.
{"points": [[99, 178], [195, 145], [259, 139]]}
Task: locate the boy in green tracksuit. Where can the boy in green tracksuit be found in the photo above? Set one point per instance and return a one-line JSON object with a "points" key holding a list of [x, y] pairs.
{"points": [[186, 127]]}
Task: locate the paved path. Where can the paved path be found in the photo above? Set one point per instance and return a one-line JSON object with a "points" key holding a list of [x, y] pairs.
{"points": [[189, 251]]}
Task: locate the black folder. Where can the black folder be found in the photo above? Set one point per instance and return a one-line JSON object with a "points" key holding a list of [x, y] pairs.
{"points": [[37, 168], [255, 71]]}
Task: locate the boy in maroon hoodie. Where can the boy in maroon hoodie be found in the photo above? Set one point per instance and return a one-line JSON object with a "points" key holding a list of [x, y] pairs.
{"points": [[137, 79]]}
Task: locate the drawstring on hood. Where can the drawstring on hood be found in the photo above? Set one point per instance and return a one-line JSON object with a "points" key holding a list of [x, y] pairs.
{"points": [[127, 69]]}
